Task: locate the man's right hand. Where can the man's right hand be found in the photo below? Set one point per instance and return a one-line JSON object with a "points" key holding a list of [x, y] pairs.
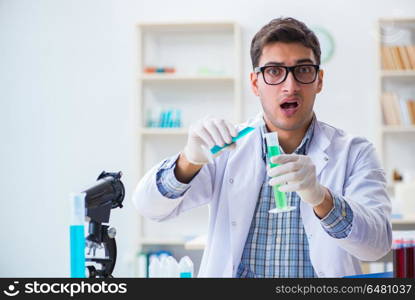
{"points": [[207, 133]]}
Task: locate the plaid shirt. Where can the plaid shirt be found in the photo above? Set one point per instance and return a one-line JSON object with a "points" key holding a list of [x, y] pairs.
{"points": [[276, 245]]}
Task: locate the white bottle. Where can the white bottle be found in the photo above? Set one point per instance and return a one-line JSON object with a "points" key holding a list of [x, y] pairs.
{"points": [[142, 265], [172, 267], [186, 267], [154, 269], [163, 266]]}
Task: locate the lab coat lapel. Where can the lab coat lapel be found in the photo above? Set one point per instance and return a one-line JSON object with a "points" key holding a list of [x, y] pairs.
{"points": [[317, 148]]}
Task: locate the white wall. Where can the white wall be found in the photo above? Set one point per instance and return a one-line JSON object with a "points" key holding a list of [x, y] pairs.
{"points": [[67, 92]]}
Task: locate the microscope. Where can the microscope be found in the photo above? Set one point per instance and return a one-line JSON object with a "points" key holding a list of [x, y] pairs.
{"points": [[107, 194]]}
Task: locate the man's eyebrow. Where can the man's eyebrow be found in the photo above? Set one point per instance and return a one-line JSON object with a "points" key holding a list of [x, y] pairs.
{"points": [[304, 60], [274, 63], [299, 61]]}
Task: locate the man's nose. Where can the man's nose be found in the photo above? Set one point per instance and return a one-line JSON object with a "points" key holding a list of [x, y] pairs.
{"points": [[290, 84]]}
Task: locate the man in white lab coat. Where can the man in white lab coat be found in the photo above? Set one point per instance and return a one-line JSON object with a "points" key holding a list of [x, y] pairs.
{"points": [[334, 180]]}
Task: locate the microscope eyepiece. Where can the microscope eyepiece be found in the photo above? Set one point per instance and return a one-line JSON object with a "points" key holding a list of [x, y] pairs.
{"points": [[108, 193]]}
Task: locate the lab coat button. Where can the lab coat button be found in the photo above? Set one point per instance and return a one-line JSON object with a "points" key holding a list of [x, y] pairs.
{"points": [[326, 158], [231, 180]]}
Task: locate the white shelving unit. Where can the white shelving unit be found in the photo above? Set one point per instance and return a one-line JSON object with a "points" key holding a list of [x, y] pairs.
{"points": [[396, 74], [207, 59], [396, 143]]}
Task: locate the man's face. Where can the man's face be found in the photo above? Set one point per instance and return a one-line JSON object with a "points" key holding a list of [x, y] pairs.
{"points": [[289, 116]]}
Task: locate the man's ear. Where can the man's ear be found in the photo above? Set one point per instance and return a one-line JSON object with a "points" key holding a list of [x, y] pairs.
{"points": [[254, 83], [320, 81]]}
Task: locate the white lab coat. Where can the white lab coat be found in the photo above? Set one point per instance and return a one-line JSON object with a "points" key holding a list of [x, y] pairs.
{"points": [[347, 165]]}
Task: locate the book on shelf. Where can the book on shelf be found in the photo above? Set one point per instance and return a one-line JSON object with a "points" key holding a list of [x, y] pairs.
{"points": [[411, 55], [387, 61], [389, 109], [397, 111], [410, 105], [404, 55], [398, 57]]}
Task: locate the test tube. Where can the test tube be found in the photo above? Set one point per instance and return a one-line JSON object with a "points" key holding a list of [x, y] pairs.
{"points": [[280, 197], [77, 236], [215, 149], [399, 261], [409, 244]]}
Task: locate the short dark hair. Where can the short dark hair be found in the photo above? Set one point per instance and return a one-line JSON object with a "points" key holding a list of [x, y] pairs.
{"points": [[286, 30]]}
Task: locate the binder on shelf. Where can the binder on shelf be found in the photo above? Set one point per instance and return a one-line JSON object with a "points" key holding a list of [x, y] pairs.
{"points": [[387, 60], [398, 57], [410, 105], [403, 53], [411, 55], [390, 111], [397, 111], [404, 112]]}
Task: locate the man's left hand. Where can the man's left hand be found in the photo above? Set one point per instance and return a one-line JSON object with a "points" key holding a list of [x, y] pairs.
{"points": [[297, 173]]}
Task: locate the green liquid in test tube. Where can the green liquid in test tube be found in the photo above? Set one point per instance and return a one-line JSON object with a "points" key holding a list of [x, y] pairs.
{"points": [[280, 198]]}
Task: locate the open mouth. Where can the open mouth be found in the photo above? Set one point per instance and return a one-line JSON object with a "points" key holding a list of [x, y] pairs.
{"points": [[290, 104], [290, 108]]}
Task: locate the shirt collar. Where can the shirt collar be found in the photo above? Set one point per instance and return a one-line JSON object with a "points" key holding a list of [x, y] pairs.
{"points": [[301, 149]]}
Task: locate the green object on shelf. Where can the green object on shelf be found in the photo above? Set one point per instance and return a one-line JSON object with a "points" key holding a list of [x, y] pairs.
{"points": [[242, 133]]}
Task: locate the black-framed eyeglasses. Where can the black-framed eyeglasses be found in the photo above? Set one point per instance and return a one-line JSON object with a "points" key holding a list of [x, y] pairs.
{"points": [[274, 75]]}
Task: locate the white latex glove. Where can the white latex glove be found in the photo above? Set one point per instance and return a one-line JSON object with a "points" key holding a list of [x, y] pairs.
{"points": [[297, 173], [205, 134]]}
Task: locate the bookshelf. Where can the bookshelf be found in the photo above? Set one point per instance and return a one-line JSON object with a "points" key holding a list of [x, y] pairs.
{"points": [[397, 74], [195, 68], [396, 44], [395, 118]]}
